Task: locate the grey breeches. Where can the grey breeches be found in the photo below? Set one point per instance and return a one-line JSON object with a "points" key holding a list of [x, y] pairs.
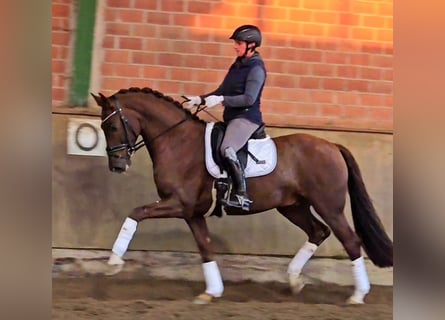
{"points": [[237, 133]]}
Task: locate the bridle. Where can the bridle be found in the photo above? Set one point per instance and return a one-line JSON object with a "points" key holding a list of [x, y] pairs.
{"points": [[131, 148]]}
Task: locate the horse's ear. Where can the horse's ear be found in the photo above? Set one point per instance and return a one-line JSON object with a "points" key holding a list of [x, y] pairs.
{"points": [[100, 99]]}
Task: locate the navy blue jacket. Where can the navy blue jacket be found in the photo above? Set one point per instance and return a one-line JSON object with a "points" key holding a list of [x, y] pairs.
{"points": [[242, 88]]}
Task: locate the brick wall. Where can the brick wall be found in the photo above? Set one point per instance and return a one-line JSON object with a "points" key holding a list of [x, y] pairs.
{"points": [[329, 62], [62, 46]]}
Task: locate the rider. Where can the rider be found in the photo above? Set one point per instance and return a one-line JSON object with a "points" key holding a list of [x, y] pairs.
{"points": [[240, 94]]}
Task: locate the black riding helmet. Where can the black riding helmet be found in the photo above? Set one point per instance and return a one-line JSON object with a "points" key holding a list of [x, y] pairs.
{"points": [[248, 33]]}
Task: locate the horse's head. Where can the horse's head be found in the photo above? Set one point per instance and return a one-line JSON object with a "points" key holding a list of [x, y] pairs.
{"points": [[120, 131]]}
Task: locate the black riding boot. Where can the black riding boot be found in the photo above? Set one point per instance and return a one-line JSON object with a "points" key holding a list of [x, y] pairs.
{"points": [[238, 196]]}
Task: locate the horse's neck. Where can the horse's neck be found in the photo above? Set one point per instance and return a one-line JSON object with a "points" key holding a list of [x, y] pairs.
{"points": [[166, 129]]}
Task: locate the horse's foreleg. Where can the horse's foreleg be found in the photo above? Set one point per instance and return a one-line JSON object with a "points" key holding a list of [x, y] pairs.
{"points": [[169, 208], [212, 276]]}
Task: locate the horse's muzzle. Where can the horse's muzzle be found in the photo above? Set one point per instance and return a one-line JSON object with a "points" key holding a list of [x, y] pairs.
{"points": [[118, 165]]}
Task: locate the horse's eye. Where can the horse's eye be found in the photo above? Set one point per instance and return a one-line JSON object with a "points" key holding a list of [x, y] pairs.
{"points": [[113, 128]]}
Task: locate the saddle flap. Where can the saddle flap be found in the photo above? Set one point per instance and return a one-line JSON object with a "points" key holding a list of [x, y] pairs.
{"points": [[258, 157]]}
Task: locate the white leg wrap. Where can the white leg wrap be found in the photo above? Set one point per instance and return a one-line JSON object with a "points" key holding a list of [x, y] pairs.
{"points": [[125, 235], [362, 285], [300, 259], [212, 276], [360, 275]]}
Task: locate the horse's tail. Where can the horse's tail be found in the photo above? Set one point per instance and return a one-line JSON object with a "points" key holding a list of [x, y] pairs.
{"points": [[368, 226]]}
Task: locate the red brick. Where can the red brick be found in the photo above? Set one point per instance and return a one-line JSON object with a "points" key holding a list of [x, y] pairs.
{"points": [[168, 87], [184, 46], [331, 110], [116, 28], [58, 94], [328, 17], [58, 66], [309, 83], [314, 5], [373, 21], [335, 57], [170, 59], [358, 85], [146, 4], [360, 59], [311, 55], [119, 56], [297, 68], [108, 69], [382, 61], [370, 73], [356, 113], [173, 5], [180, 74], [385, 35], [381, 87], [381, 113], [364, 7], [322, 96], [322, 69], [61, 38], [144, 57], [347, 98], [347, 71], [158, 18], [349, 18], [144, 30], [334, 84], [199, 7], [154, 72], [385, 9], [60, 10], [313, 29], [361, 33], [114, 84], [130, 43], [125, 70], [119, 3], [109, 42], [282, 81], [156, 45], [372, 100], [204, 76], [131, 16]]}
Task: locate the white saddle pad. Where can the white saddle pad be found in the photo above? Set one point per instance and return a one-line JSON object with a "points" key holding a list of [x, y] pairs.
{"points": [[263, 149]]}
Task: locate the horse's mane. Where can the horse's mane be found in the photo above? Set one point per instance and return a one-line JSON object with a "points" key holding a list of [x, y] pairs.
{"points": [[160, 95]]}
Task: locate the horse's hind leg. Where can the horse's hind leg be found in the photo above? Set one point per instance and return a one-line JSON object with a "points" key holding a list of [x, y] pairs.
{"points": [[317, 232], [339, 225]]}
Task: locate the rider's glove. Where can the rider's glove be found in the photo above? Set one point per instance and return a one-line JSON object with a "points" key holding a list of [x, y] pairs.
{"points": [[192, 101], [212, 101]]}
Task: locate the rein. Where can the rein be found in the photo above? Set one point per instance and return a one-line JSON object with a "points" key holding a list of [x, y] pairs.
{"points": [[131, 149]]}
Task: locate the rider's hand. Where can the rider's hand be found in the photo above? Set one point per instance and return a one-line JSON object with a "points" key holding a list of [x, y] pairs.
{"points": [[192, 101], [212, 101]]}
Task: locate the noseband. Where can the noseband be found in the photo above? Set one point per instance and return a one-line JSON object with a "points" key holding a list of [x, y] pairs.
{"points": [[131, 148]]}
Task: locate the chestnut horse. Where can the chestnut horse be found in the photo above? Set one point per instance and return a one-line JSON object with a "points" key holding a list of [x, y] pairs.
{"points": [[310, 172]]}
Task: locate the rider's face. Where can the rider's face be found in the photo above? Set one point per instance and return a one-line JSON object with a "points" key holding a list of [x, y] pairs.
{"points": [[240, 47]]}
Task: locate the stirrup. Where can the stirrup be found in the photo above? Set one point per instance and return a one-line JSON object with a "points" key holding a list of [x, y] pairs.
{"points": [[240, 202]]}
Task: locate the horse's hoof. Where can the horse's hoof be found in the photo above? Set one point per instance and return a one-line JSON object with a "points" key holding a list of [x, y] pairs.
{"points": [[203, 298], [114, 269], [355, 300], [115, 265], [296, 283]]}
